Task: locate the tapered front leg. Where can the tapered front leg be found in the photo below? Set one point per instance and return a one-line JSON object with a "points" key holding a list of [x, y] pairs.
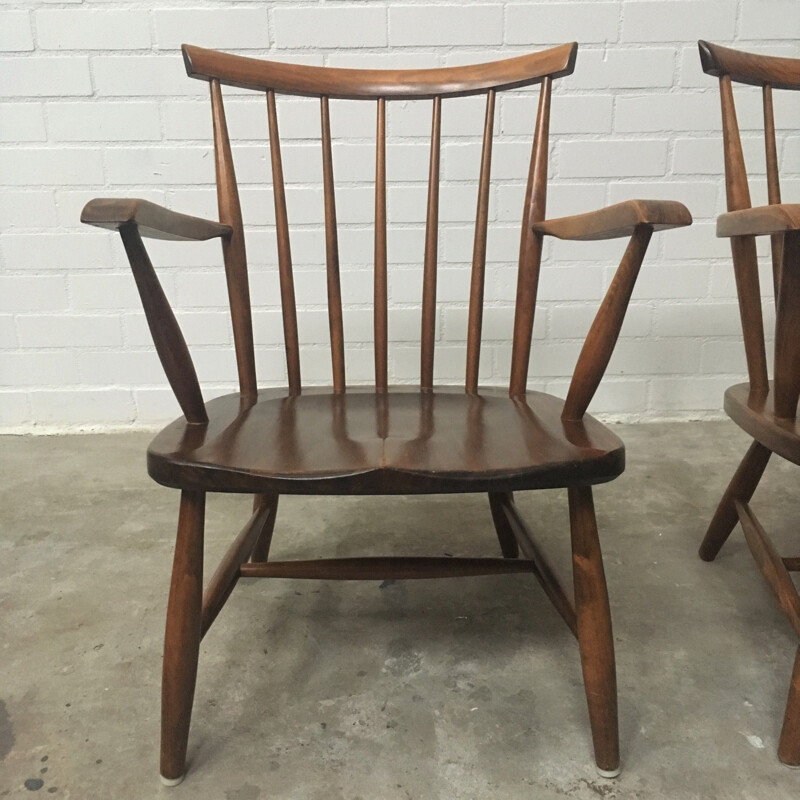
{"points": [[742, 485], [182, 637], [789, 746], [594, 630]]}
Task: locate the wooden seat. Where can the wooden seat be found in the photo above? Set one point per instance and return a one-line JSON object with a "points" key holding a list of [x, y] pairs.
{"points": [[767, 410], [398, 442], [384, 439]]}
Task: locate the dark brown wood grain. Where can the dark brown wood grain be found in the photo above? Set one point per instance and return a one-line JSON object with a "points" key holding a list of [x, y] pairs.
{"points": [[233, 249], [508, 542], [227, 573], [595, 637], [786, 383], [602, 337], [167, 336], [478, 276], [332, 254], [431, 253], [621, 219], [404, 442], [773, 182], [392, 84], [752, 68], [264, 541], [759, 221], [152, 220], [741, 488], [288, 304], [381, 297], [396, 568], [770, 564], [503, 506], [182, 637], [530, 248], [766, 410], [383, 440]]}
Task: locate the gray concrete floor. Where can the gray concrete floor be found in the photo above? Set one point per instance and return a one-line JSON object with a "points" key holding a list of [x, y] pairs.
{"points": [[430, 689]]}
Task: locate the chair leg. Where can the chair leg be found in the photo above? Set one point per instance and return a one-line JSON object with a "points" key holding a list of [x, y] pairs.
{"points": [[741, 487], [508, 542], [261, 550], [595, 637], [789, 746], [182, 637]]}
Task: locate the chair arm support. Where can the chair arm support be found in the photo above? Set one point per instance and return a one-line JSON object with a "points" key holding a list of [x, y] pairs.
{"points": [[152, 220], [616, 221], [167, 335], [602, 336], [759, 221]]}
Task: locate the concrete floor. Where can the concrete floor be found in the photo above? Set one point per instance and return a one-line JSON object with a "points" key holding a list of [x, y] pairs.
{"points": [[431, 689]]}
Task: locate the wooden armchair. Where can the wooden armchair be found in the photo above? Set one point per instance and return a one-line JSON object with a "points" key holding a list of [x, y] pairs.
{"points": [[381, 439], [766, 409]]}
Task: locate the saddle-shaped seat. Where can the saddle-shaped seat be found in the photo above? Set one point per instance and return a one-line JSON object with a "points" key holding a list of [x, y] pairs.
{"points": [[396, 442]]}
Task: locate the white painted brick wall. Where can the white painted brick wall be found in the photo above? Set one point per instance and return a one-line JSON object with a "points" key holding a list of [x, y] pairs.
{"points": [[94, 101]]}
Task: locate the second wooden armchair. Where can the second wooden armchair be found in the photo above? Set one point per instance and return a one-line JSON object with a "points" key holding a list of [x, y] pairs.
{"points": [[766, 410], [381, 439]]}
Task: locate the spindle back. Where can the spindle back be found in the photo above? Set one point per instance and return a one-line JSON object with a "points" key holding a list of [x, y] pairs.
{"points": [[769, 73], [274, 78]]}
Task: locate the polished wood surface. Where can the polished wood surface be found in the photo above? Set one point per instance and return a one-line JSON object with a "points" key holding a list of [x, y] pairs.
{"points": [[227, 573], [392, 84], [621, 219], [288, 304], [335, 318], [770, 564], [167, 335], [507, 518], [386, 568], [741, 488], [374, 440], [595, 637], [530, 245], [602, 337], [381, 291], [759, 221], [753, 68], [402, 442], [755, 413], [766, 410], [428, 333], [478, 276], [152, 220], [182, 637], [234, 254]]}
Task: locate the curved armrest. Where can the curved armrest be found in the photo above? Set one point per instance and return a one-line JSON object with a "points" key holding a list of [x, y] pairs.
{"points": [[152, 220], [621, 219], [759, 221]]}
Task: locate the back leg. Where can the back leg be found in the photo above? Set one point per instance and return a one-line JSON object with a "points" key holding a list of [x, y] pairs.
{"points": [[261, 549], [508, 542], [742, 485], [789, 746]]}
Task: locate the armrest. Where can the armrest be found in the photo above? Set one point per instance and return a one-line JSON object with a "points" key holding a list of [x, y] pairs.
{"points": [[153, 221], [621, 219], [759, 221]]}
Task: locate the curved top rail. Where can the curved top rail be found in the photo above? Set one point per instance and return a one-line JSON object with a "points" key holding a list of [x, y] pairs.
{"points": [[780, 73], [391, 84]]}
